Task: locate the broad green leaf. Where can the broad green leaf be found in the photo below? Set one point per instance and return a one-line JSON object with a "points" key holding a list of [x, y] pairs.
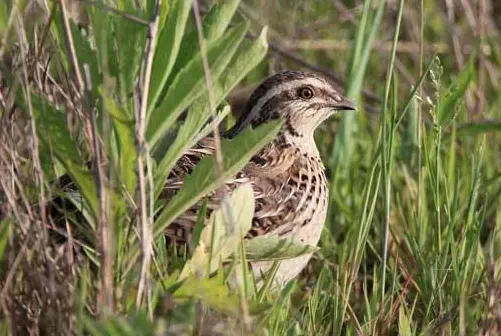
{"points": [[123, 159], [236, 153], [218, 19], [92, 326], [446, 108], [167, 48], [211, 292], [53, 132], [57, 30], [184, 140], [86, 56], [221, 236], [124, 128], [190, 83], [404, 324], [130, 40], [111, 326], [100, 21], [275, 248], [248, 55], [480, 127], [118, 326], [213, 26]]}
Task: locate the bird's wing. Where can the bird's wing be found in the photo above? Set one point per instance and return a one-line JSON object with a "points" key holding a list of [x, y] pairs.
{"points": [[179, 232], [275, 200]]}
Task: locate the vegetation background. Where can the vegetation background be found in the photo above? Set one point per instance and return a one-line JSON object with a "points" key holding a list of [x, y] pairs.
{"points": [[412, 244]]}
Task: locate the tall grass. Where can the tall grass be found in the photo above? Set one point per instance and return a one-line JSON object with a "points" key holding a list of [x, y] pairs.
{"points": [[411, 243]]}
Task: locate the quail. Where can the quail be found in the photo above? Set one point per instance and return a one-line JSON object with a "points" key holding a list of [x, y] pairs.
{"points": [[287, 175]]}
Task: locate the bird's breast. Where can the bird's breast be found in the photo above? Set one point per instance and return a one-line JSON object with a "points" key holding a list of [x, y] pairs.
{"points": [[293, 203]]}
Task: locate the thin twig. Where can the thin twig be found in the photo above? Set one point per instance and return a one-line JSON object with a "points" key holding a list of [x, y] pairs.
{"points": [[15, 200], [13, 15], [11, 201], [13, 267], [45, 31], [71, 47], [387, 152], [105, 228], [344, 11], [405, 47], [209, 84], [420, 115], [37, 165], [480, 30], [142, 150]]}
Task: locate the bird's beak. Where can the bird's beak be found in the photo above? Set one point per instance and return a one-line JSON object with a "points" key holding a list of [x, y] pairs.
{"points": [[345, 105]]}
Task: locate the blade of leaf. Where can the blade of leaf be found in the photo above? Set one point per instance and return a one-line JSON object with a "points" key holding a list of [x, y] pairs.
{"points": [[189, 83], [213, 26], [364, 41], [104, 38], [480, 127], [446, 109], [124, 128], [130, 39], [184, 140], [167, 48], [53, 132], [220, 238], [86, 55], [211, 292], [248, 55], [275, 248]]}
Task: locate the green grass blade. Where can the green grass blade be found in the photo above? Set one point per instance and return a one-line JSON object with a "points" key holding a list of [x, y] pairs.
{"points": [[446, 108], [479, 127], [344, 141]]}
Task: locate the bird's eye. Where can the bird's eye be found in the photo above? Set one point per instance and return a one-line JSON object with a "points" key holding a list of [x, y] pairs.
{"points": [[305, 92]]}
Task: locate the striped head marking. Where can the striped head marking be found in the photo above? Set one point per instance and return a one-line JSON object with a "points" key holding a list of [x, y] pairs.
{"points": [[303, 99]]}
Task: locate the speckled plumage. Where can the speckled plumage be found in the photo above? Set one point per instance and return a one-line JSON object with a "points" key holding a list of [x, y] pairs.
{"points": [[287, 175]]}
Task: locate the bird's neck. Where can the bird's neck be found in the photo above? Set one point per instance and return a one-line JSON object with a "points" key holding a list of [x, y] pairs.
{"points": [[304, 143], [283, 153]]}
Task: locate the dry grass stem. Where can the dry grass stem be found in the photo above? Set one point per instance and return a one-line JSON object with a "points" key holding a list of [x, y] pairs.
{"points": [[143, 154]]}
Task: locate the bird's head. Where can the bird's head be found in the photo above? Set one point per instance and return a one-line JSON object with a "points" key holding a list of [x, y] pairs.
{"points": [[302, 99]]}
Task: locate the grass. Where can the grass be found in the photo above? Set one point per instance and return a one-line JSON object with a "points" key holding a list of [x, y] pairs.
{"points": [[411, 243]]}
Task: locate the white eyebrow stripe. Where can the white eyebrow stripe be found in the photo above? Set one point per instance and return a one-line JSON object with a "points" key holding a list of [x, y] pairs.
{"points": [[285, 87]]}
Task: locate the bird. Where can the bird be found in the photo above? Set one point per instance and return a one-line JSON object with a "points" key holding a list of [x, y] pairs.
{"points": [[287, 175]]}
